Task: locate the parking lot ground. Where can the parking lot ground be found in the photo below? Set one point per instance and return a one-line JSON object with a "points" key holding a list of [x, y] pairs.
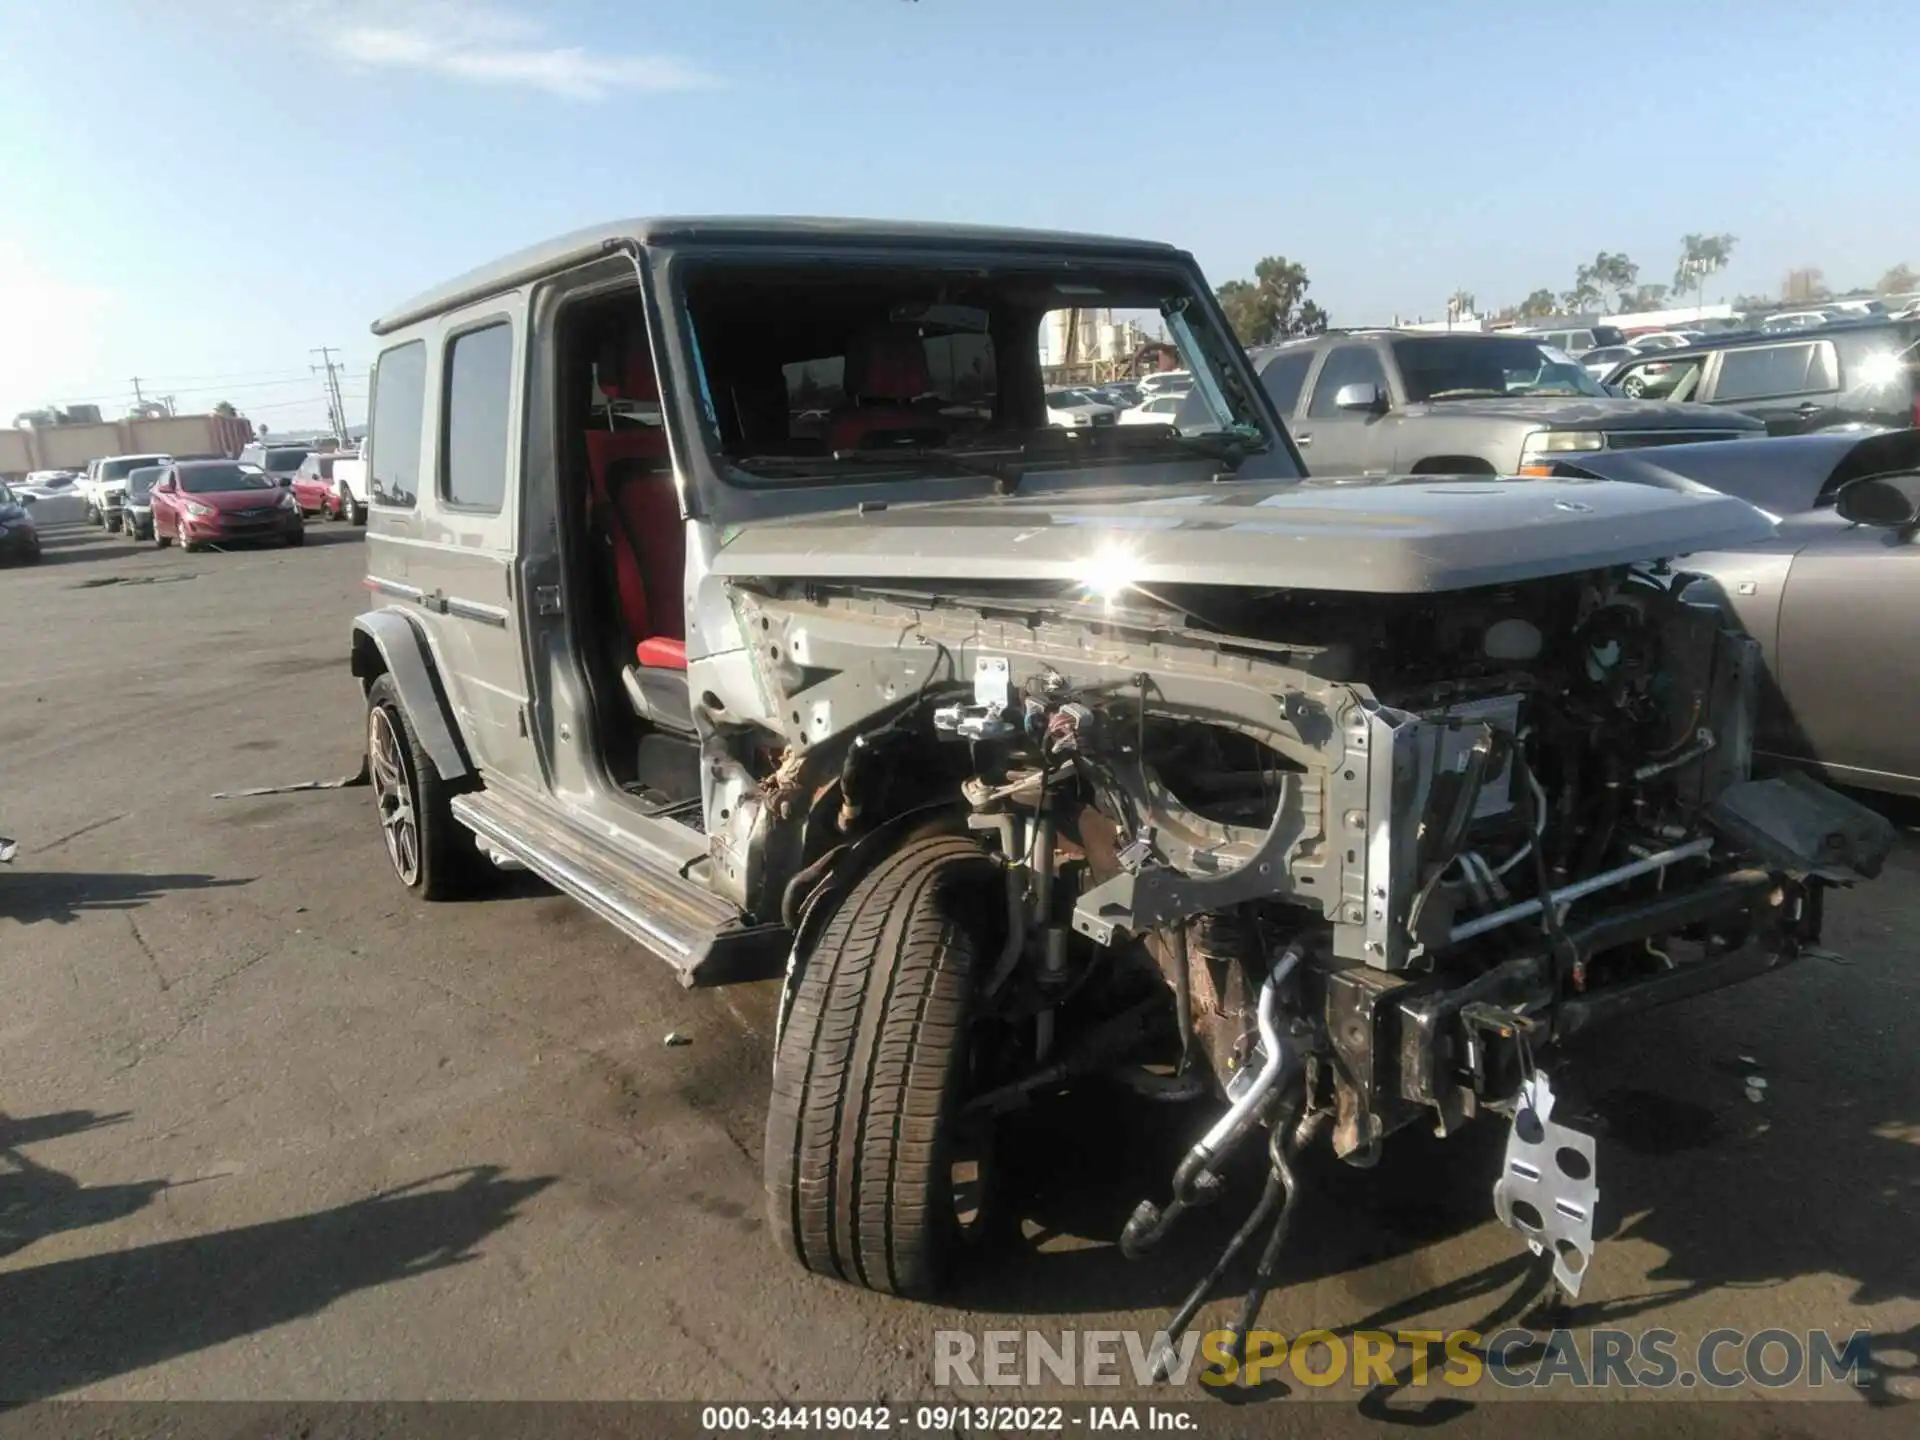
{"points": [[272, 1130]]}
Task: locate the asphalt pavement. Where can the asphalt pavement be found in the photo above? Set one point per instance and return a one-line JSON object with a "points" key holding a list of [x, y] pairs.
{"points": [[271, 1130]]}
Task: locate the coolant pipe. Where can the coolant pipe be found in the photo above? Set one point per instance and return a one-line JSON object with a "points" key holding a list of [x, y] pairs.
{"points": [[1567, 894], [1194, 1183], [1230, 1126], [1702, 743]]}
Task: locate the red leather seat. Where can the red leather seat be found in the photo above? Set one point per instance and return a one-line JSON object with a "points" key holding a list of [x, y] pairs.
{"points": [[886, 371], [637, 513]]}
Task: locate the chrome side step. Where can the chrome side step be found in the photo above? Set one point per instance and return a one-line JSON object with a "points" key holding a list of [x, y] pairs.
{"points": [[700, 935]]}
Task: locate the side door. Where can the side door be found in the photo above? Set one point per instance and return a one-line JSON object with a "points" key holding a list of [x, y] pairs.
{"points": [[166, 503], [1849, 652], [468, 560], [442, 470], [1790, 386], [1346, 439]]}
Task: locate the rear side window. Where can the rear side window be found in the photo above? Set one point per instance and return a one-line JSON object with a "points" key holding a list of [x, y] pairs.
{"points": [[393, 434], [1284, 376], [1773, 370], [473, 443]]}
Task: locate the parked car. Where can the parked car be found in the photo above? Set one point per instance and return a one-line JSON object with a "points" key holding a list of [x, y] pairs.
{"points": [[1576, 340], [1124, 393], [105, 485], [279, 463], [1843, 375], [137, 515], [1024, 754], [350, 488], [1831, 599], [313, 484], [1794, 320], [1075, 408], [1600, 363], [19, 539], [221, 502], [1659, 340], [1162, 382], [1423, 403], [1159, 410], [49, 481]]}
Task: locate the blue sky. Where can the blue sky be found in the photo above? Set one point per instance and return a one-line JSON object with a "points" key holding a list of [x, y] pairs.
{"points": [[200, 191]]}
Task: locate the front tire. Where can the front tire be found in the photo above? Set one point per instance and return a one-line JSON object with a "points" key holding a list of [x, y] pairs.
{"points": [[295, 537], [432, 853], [864, 1131], [351, 510]]}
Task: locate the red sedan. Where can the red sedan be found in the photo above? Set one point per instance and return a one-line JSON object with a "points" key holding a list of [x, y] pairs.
{"points": [[220, 502]]}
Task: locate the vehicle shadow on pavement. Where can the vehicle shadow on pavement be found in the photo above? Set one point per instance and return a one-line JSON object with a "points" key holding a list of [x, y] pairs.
{"points": [[36, 1201], [73, 1323], [70, 545], [61, 896], [1073, 1170]]}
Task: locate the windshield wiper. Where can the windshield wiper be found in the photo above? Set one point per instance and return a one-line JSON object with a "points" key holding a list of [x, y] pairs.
{"points": [[1468, 392]]}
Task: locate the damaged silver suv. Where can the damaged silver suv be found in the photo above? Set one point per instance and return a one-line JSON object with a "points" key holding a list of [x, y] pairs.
{"points": [[729, 576]]}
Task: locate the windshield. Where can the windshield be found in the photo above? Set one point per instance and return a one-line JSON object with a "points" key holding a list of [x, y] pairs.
{"points": [[278, 460], [898, 373], [1450, 367], [124, 466], [142, 480], [215, 479]]}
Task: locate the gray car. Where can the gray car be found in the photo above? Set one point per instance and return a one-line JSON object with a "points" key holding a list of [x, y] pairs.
{"points": [[1833, 598], [1025, 755], [1383, 402]]}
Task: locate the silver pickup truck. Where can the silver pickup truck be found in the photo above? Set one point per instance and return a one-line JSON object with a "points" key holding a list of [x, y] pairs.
{"points": [[1401, 402]]}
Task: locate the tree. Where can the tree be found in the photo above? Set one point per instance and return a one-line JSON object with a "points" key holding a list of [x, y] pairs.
{"points": [[1805, 284], [1701, 256], [1643, 297], [224, 407], [1608, 274], [1900, 280], [1536, 306], [1273, 304]]}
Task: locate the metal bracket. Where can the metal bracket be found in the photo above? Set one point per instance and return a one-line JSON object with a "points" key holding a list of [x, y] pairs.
{"points": [[1547, 1190]]}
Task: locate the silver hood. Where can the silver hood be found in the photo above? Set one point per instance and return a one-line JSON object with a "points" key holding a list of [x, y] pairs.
{"points": [[1386, 536]]}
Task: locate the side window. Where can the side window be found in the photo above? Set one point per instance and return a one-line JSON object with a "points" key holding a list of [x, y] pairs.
{"points": [[1346, 365], [394, 421], [473, 436], [1774, 370], [1284, 377]]}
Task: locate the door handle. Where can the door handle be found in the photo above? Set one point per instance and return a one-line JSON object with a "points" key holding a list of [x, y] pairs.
{"points": [[1303, 440]]}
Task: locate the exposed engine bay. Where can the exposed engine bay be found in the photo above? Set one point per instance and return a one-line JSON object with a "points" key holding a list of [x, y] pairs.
{"points": [[1342, 862]]}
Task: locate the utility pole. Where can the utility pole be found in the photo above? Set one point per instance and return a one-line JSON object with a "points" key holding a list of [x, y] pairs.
{"points": [[336, 407], [139, 400]]}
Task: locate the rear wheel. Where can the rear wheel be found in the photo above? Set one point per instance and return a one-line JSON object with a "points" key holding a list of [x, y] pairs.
{"points": [[432, 853], [296, 537], [351, 510], [872, 1174]]}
